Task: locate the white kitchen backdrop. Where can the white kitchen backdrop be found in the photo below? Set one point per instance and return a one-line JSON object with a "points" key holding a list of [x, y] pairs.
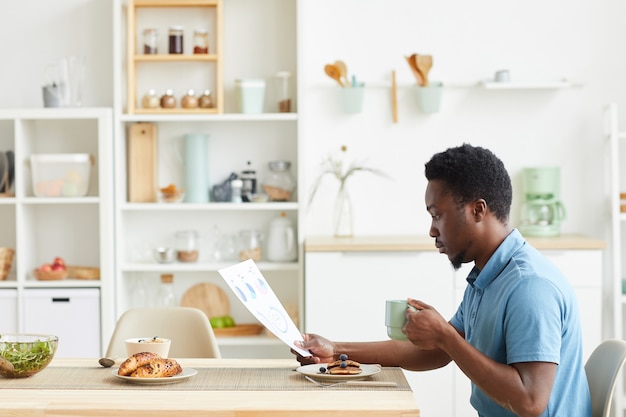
{"points": [[537, 41]]}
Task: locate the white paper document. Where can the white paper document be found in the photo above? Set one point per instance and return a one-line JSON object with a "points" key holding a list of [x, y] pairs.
{"points": [[250, 286]]}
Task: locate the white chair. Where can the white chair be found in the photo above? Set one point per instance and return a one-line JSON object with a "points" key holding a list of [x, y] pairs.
{"points": [[602, 369], [189, 329]]}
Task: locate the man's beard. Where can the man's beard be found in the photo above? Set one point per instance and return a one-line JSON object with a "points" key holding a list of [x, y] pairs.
{"points": [[457, 261]]}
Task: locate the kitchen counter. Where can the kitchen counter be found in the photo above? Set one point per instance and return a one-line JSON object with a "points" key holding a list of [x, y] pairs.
{"points": [[400, 243], [89, 390]]}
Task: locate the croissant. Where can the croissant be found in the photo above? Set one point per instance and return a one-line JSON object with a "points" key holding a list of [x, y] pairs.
{"points": [[131, 364], [159, 368]]}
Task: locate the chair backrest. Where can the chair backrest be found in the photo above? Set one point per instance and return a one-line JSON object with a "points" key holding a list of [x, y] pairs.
{"points": [[189, 329], [602, 369]]}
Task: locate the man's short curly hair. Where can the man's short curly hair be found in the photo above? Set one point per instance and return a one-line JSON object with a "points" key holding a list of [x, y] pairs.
{"points": [[471, 173]]}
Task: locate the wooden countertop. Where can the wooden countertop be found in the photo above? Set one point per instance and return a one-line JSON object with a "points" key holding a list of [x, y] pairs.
{"points": [[173, 400], [400, 243]]}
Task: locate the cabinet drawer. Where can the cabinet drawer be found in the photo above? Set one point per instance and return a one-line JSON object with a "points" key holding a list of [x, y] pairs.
{"points": [[72, 314], [8, 310]]}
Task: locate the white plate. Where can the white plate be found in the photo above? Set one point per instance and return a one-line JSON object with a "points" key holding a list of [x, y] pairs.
{"points": [[187, 372], [313, 371]]}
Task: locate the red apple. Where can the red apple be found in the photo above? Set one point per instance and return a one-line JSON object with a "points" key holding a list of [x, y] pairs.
{"points": [[57, 267], [59, 261], [45, 268]]}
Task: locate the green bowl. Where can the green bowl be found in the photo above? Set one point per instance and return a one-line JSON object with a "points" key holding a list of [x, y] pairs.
{"points": [[23, 355]]}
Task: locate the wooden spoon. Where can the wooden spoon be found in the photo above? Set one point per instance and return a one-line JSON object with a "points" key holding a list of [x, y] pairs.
{"points": [[343, 70], [424, 63], [333, 72], [413, 66]]}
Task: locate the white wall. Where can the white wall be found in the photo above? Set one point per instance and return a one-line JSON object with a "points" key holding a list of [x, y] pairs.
{"points": [[535, 40]]}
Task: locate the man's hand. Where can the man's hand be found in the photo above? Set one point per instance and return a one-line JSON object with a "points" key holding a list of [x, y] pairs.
{"points": [[323, 350]]}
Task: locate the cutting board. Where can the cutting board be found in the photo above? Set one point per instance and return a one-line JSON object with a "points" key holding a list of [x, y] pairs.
{"points": [[212, 299], [142, 163], [207, 297]]}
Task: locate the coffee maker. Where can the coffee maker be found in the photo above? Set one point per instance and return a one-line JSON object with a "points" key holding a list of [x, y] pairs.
{"points": [[542, 211]]}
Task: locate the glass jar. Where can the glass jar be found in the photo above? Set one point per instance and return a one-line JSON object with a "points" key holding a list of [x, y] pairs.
{"points": [[205, 101], [176, 39], [150, 41], [200, 41], [166, 296], [235, 189], [168, 101], [150, 100], [189, 100], [279, 183], [284, 99], [187, 246], [250, 243]]}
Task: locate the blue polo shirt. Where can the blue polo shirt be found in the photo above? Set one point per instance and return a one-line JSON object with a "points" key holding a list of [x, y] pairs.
{"points": [[520, 308]]}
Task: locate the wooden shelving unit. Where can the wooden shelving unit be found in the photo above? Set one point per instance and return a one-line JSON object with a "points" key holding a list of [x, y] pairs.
{"points": [[212, 61]]}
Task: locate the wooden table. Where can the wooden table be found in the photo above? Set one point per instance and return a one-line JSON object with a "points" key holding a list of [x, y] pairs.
{"points": [[143, 401]]}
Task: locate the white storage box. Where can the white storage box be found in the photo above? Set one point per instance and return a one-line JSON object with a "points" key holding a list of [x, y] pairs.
{"points": [[60, 175]]}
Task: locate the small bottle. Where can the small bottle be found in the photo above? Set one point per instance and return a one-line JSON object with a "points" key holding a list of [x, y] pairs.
{"points": [[200, 41], [150, 41], [176, 39], [168, 101], [205, 101], [150, 100], [140, 297], [166, 297], [235, 187], [189, 100]]}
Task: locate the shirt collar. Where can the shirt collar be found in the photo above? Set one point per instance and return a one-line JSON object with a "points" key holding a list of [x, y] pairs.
{"points": [[498, 261]]}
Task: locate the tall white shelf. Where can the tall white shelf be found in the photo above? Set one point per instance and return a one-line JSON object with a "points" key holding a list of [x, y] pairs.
{"points": [[79, 229], [234, 139], [616, 156]]}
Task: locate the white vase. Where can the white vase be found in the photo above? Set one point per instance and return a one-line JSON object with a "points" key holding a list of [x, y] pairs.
{"points": [[343, 220]]}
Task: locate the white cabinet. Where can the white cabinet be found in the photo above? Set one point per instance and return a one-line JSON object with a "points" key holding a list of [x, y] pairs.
{"points": [[348, 280], [63, 311], [8, 310], [234, 139], [345, 293], [78, 229]]}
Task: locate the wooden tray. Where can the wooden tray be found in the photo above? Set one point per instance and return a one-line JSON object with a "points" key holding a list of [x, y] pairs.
{"points": [[249, 329]]}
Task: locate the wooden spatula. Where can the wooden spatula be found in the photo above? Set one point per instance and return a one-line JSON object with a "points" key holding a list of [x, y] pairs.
{"points": [[343, 70], [424, 63], [411, 61], [333, 72]]}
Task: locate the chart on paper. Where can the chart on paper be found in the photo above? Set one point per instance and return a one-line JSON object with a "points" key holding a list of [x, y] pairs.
{"points": [[251, 288]]}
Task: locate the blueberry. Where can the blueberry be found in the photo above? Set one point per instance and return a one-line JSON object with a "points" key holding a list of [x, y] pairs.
{"points": [[343, 364], [323, 369], [343, 357]]}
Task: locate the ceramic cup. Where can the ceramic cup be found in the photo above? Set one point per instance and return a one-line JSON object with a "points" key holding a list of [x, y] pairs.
{"points": [[158, 345], [395, 318]]}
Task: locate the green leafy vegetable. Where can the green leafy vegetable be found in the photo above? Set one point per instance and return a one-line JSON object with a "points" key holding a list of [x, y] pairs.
{"points": [[27, 357]]}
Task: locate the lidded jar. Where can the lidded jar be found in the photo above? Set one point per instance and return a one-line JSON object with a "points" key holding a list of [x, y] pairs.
{"points": [[168, 101], [150, 100], [250, 245], [187, 245], [205, 101], [279, 183], [200, 41], [150, 41], [176, 39], [189, 100]]}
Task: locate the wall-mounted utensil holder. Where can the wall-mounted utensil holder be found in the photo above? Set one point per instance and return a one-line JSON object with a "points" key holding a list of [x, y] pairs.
{"points": [[429, 97], [352, 99]]}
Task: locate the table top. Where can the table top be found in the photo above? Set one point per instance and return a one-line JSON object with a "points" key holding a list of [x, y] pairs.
{"points": [[262, 387]]}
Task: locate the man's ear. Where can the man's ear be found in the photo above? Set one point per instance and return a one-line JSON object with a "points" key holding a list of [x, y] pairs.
{"points": [[479, 210]]}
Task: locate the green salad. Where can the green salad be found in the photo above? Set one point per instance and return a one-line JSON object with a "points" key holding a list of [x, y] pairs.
{"points": [[27, 357]]}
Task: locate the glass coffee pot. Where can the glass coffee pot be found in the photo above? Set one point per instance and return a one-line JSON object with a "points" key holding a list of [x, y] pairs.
{"points": [[542, 211]]}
